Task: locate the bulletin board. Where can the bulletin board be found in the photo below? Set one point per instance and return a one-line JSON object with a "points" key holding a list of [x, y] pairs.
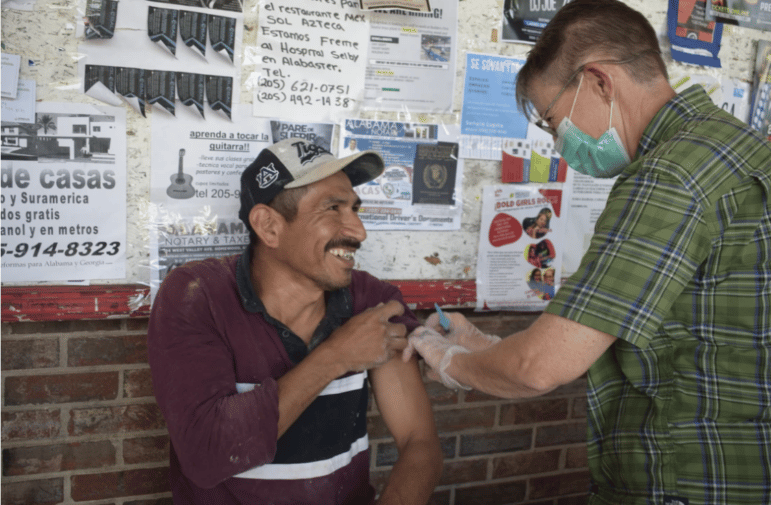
{"points": [[428, 265]]}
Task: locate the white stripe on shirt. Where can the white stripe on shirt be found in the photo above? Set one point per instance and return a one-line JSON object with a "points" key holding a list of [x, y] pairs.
{"points": [[306, 470], [350, 383]]}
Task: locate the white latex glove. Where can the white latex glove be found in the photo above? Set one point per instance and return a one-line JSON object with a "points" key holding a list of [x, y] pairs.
{"points": [[462, 332], [436, 350]]}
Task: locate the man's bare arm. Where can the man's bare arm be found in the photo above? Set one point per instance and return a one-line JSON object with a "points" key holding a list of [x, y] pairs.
{"points": [[403, 402]]}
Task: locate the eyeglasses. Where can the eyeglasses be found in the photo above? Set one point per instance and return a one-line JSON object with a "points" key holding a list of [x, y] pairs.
{"points": [[542, 122]]}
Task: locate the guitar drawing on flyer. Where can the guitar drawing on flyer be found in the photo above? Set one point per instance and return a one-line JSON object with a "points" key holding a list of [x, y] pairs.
{"points": [[181, 183]]}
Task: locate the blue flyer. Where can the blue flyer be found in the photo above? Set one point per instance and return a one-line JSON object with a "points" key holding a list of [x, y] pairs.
{"points": [[489, 103]]}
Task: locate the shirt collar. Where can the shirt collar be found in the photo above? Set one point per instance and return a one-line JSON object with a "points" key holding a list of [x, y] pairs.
{"points": [[339, 309], [672, 115]]}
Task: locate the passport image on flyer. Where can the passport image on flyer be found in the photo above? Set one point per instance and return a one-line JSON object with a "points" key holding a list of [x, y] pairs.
{"points": [[434, 172]]}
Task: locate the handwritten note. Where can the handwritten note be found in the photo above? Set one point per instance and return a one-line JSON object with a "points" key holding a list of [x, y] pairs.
{"points": [[312, 59], [22, 108], [10, 75]]}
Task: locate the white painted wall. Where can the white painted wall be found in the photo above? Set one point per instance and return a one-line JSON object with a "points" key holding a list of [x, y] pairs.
{"points": [[46, 37]]}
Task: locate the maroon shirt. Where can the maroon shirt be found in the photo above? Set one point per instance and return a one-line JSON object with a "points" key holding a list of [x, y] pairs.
{"points": [[208, 332]]}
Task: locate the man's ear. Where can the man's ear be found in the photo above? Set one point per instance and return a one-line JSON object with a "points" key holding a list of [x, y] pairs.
{"points": [[601, 81], [267, 224]]}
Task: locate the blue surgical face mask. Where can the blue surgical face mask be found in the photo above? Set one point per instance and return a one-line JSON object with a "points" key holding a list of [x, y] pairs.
{"points": [[602, 158]]}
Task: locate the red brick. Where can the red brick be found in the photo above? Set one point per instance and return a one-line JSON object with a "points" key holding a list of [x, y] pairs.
{"points": [[579, 408], [386, 453], [560, 434], [463, 472], [137, 383], [109, 420], [156, 501], [526, 463], [494, 442], [48, 327], [559, 485], [474, 396], [80, 387], [57, 458], [31, 424], [463, 419], [581, 499], [376, 427], [577, 457], [103, 486], [575, 388], [89, 351], [534, 411], [146, 450], [379, 478], [440, 395], [491, 494], [137, 324], [34, 492], [32, 353], [439, 498]]}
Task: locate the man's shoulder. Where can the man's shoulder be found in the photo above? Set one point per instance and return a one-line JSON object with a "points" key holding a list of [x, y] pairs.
{"points": [[209, 272]]}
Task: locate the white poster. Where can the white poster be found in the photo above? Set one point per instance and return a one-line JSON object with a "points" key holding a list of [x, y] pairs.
{"points": [[411, 60], [420, 188], [311, 59], [162, 57], [64, 194], [520, 247], [196, 186], [586, 201]]}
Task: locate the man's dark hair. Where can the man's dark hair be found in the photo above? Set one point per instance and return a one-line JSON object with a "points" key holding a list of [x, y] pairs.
{"points": [[608, 29], [286, 204]]}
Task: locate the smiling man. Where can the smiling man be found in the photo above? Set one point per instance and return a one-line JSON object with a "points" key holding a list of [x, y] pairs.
{"points": [[260, 361]]}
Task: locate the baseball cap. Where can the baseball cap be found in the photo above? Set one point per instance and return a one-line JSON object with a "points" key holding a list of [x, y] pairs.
{"points": [[292, 163]]}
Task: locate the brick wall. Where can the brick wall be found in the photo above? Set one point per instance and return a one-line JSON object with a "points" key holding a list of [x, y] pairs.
{"points": [[80, 425]]}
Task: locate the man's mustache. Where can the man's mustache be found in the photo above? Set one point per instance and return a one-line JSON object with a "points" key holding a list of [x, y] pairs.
{"points": [[343, 242]]}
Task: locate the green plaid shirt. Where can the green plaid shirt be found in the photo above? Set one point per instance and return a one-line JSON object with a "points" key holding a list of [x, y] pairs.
{"points": [[679, 269]]}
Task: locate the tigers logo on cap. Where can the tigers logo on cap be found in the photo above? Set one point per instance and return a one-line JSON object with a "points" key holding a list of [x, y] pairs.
{"points": [[308, 152]]}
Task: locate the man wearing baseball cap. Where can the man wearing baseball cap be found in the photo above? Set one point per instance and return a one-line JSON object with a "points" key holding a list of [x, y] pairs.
{"points": [[260, 360]]}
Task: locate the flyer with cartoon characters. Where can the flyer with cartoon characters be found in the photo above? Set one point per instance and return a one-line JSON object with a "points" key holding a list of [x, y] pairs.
{"points": [[520, 247]]}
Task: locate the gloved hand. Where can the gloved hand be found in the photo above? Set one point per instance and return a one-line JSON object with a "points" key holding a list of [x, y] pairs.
{"points": [[462, 332], [436, 350]]}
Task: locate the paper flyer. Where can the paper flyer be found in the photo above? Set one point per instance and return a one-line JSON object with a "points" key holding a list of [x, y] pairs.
{"points": [[747, 13], [760, 118], [693, 38], [420, 188], [195, 186], [59, 174], [489, 113], [411, 59], [10, 75], [22, 108], [520, 247], [148, 49], [411, 5], [732, 95], [586, 199], [524, 20], [532, 159], [311, 59]]}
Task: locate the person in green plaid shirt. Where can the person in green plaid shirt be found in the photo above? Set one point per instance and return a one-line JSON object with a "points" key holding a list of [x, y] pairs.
{"points": [[670, 310]]}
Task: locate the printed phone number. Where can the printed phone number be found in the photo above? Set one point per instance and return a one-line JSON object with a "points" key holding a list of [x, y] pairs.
{"points": [[295, 99], [305, 86], [71, 249]]}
